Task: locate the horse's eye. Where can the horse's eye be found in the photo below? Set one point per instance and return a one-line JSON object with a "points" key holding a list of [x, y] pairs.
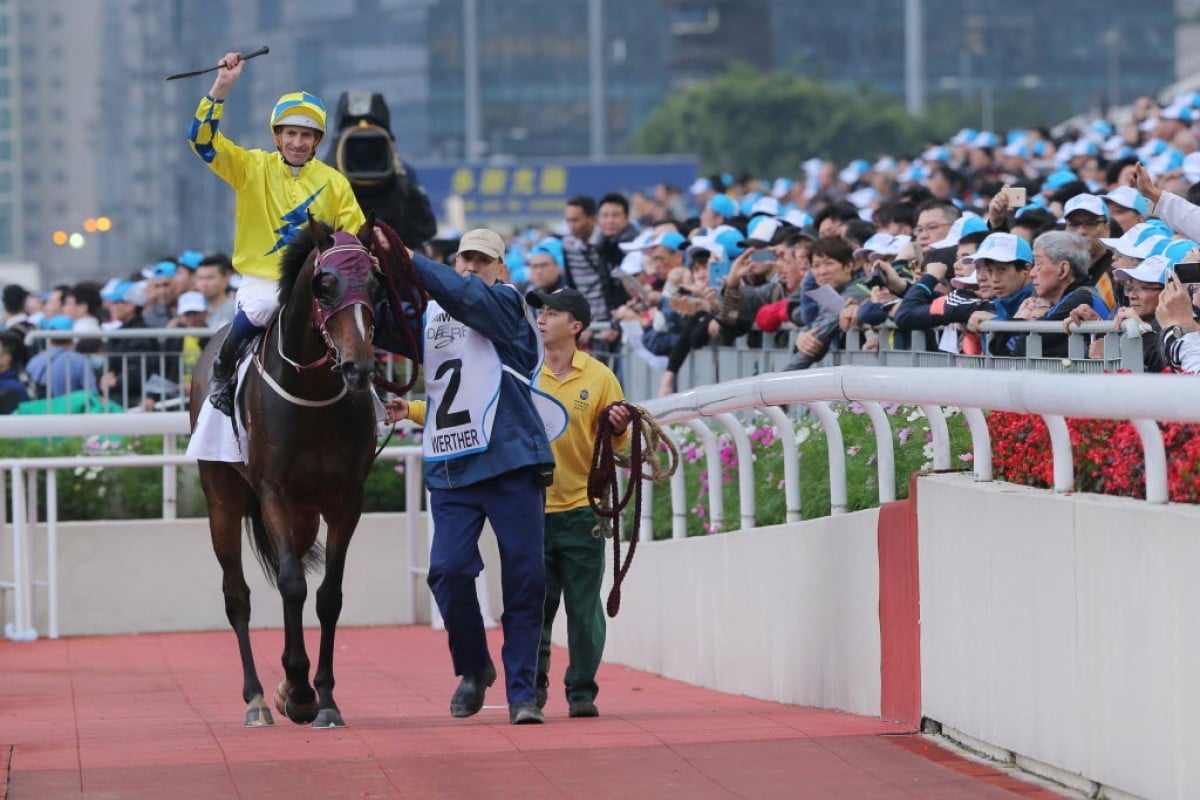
{"points": [[325, 288]]}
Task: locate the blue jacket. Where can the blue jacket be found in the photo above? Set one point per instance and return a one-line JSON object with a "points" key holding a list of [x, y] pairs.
{"points": [[498, 312], [11, 379]]}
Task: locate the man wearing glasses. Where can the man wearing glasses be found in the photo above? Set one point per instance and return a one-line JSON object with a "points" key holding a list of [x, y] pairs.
{"points": [[934, 218], [1087, 215]]}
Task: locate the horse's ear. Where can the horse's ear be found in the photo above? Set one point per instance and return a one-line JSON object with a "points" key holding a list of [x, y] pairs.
{"points": [[366, 234], [321, 235]]}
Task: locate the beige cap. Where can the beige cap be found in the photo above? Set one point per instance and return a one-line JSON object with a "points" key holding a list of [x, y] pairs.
{"points": [[481, 240]]}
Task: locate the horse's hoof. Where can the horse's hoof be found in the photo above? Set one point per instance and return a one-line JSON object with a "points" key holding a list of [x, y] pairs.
{"points": [[301, 713], [258, 715], [281, 693], [329, 718]]}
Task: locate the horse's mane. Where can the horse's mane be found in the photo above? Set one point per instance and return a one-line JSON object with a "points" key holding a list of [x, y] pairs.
{"points": [[293, 260]]}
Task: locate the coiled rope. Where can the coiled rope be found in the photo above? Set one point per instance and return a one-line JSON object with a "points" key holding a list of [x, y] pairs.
{"points": [[650, 451]]}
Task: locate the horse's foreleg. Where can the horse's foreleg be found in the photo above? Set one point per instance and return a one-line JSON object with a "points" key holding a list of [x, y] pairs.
{"points": [[227, 496], [329, 609], [294, 697]]}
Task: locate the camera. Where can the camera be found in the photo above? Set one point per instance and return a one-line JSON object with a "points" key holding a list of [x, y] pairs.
{"points": [[366, 154], [877, 278]]}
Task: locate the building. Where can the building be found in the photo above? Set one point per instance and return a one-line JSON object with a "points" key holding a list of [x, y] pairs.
{"points": [[1068, 57], [88, 126]]}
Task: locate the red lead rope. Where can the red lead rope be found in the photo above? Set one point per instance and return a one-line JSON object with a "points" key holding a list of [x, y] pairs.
{"points": [[403, 286], [604, 493]]}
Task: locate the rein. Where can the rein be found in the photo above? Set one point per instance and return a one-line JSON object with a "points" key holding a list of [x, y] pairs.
{"points": [[403, 285], [647, 443]]}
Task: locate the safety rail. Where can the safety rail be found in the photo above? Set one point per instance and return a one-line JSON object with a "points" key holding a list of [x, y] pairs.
{"points": [[24, 500], [1144, 399], [162, 375], [716, 363]]}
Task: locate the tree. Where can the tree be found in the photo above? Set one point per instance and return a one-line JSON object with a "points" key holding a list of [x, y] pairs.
{"points": [[767, 123]]}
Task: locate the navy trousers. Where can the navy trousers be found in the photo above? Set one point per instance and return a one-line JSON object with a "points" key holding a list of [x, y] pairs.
{"points": [[515, 506]]}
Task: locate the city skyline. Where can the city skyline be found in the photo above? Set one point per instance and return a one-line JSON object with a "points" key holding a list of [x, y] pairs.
{"points": [[88, 126]]}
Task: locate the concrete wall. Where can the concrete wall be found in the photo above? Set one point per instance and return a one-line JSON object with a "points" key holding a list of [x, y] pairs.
{"points": [[787, 613], [150, 575], [1063, 628]]}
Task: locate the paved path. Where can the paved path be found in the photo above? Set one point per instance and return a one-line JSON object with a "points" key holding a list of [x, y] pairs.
{"points": [[160, 716]]}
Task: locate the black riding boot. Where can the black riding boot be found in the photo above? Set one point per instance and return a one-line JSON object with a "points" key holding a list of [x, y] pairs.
{"points": [[224, 371]]}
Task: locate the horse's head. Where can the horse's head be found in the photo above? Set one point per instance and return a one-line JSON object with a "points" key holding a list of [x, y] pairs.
{"points": [[346, 283]]}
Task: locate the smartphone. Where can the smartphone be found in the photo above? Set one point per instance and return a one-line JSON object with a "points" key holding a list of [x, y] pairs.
{"points": [[759, 256], [1016, 196], [1188, 272], [718, 271]]}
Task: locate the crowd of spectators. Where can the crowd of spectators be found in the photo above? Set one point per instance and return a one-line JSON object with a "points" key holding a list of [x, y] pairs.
{"points": [[191, 291], [923, 251], [1090, 225]]}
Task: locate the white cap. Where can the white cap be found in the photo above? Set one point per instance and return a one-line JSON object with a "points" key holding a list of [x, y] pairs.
{"points": [[965, 282], [1128, 197], [1152, 270], [1085, 202], [1191, 167], [965, 225], [1137, 242], [875, 244], [763, 233], [191, 301], [638, 242], [1002, 247], [765, 205], [631, 264], [709, 244]]}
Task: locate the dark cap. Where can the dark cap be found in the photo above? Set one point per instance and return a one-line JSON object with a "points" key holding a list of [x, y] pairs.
{"points": [[564, 299]]}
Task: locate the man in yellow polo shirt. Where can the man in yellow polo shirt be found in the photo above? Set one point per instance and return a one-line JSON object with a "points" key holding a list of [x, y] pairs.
{"points": [[276, 191], [574, 556]]}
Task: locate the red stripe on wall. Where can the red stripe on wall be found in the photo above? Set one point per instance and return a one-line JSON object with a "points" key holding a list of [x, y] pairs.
{"points": [[900, 611]]}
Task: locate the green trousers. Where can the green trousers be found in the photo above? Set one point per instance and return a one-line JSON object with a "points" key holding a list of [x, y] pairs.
{"points": [[574, 571]]}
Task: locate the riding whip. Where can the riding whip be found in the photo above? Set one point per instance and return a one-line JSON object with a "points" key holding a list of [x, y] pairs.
{"points": [[262, 51]]}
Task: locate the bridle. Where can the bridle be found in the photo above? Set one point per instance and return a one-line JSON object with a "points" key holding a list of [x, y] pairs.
{"points": [[350, 264]]}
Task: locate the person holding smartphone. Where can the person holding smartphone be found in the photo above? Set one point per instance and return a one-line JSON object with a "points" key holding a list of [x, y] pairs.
{"points": [[1176, 314]]}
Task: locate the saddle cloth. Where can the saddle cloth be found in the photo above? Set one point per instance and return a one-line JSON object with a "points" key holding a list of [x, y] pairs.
{"points": [[214, 439]]}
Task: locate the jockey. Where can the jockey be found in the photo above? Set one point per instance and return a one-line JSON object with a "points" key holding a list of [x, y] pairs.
{"points": [[275, 194]]}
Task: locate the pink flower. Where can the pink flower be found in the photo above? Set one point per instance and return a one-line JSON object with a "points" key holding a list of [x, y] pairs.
{"points": [[853, 450], [967, 457], [905, 433]]}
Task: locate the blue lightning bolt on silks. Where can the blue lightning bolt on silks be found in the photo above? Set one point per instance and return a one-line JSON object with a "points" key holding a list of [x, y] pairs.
{"points": [[293, 219]]}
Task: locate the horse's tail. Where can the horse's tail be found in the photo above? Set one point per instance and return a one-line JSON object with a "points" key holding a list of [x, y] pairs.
{"points": [[264, 548]]}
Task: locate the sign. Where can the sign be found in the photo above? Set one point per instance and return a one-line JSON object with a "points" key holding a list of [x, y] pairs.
{"points": [[540, 190]]}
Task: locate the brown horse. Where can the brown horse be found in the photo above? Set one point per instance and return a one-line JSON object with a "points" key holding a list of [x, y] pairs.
{"points": [[311, 429]]}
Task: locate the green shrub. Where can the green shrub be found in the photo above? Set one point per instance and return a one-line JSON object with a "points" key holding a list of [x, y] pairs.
{"points": [[92, 492]]}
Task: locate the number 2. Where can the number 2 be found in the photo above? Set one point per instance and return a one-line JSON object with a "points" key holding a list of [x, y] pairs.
{"points": [[445, 418]]}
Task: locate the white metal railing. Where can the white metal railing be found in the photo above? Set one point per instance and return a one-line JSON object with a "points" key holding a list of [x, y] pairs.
{"points": [[24, 497], [1144, 399]]}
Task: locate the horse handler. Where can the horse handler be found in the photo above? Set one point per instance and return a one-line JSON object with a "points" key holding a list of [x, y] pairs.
{"points": [[487, 456], [574, 548]]}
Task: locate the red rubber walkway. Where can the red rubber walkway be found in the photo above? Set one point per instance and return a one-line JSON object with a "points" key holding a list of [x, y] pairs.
{"points": [[160, 716]]}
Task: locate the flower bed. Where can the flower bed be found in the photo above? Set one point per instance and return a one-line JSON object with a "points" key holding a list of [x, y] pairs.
{"points": [[1107, 454]]}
